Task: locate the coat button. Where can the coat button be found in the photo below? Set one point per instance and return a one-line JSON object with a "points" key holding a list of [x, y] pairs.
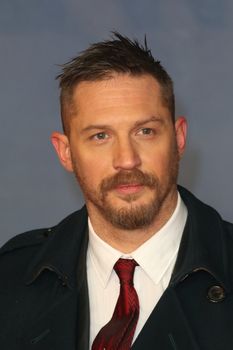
{"points": [[216, 294]]}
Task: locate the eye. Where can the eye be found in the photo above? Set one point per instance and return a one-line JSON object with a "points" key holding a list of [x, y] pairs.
{"points": [[146, 131], [100, 136]]}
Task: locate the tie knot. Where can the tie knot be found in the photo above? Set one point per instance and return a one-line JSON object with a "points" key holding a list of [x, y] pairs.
{"points": [[125, 270]]}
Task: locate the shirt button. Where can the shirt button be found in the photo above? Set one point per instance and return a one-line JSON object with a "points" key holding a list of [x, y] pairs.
{"points": [[216, 294]]}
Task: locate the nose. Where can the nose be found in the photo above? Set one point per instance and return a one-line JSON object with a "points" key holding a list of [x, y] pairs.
{"points": [[126, 155]]}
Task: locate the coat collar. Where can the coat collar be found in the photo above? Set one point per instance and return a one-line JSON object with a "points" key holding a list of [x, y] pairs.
{"points": [[202, 247], [61, 251]]}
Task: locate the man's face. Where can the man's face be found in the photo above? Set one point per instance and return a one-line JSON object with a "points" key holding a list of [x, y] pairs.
{"points": [[124, 149]]}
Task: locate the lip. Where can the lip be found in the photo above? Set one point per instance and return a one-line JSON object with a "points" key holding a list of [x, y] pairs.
{"points": [[129, 188]]}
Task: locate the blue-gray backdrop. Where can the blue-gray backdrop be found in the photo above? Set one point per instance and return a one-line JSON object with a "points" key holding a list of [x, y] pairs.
{"points": [[194, 41]]}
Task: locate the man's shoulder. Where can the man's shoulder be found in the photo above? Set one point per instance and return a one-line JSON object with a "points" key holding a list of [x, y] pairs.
{"points": [[28, 255], [229, 229], [26, 239], [229, 225], [37, 237], [204, 211]]}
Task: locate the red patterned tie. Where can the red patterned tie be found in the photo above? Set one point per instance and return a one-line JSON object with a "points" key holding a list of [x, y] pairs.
{"points": [[118, 333]]}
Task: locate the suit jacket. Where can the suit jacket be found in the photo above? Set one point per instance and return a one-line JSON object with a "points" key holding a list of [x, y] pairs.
{"points": [[44, 293]]}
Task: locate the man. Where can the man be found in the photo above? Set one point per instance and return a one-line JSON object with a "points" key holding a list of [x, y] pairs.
{"points": [[144, 265]]}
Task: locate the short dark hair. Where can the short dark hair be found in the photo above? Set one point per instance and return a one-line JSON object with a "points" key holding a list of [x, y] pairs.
{"points": [[101, 60]]}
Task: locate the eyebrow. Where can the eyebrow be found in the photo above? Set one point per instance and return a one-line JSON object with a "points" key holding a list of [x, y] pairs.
{"points": [[136, 124], [151, 119]]}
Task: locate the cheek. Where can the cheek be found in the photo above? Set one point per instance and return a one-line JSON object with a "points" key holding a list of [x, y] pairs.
{"points": [[156, 159], [91, 166], [160, 160]]}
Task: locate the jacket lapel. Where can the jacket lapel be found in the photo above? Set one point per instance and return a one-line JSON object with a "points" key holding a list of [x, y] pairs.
{"points": [[57, 289], [167, 327]]}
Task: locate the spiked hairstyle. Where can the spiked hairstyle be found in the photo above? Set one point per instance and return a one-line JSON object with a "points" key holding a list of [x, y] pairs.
{"points": [[104, 59]]}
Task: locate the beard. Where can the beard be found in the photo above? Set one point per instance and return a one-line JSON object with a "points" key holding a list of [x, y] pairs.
{"points": [[132, 215]]}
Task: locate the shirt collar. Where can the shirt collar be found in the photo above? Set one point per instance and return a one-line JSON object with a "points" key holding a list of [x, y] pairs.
{"points": [[100, 252], [154, 256]]}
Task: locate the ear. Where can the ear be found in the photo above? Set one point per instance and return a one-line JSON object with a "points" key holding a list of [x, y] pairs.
{"points": [[62, 147], [181, 133]]}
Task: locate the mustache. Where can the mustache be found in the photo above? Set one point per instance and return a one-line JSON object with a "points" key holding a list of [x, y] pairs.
{"points": [[126, 177]]}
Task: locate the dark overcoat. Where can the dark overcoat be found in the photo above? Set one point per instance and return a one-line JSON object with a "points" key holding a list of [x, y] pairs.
{"points": [[44, 294]]}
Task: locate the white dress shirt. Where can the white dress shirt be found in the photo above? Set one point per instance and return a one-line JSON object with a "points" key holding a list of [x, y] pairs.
{"points": [[156, 259]]}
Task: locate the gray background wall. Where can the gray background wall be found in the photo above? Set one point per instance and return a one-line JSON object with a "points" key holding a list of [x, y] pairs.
{"points": [[194, 41]]}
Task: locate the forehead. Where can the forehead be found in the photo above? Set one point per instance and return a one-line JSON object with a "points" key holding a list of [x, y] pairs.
{"points": [[117, 96]]}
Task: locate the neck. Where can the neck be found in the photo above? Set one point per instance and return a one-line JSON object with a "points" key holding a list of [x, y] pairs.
{"points": [[127, 241]]}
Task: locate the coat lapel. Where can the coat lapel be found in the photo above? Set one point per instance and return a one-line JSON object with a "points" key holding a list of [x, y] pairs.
{"points": [[167, 327], [57, 289]]}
